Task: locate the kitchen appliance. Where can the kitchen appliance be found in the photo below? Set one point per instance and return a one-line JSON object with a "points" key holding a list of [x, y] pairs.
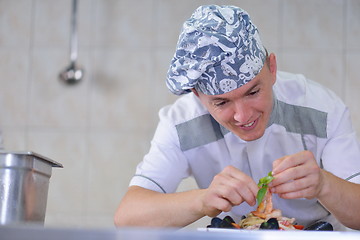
{"points": [[24, 183]]}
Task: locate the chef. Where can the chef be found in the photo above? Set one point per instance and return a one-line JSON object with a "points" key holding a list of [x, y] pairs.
{"points": [[239, 118]]}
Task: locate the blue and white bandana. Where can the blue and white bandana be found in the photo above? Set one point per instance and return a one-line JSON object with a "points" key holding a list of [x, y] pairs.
{"points": [[219, 50]]}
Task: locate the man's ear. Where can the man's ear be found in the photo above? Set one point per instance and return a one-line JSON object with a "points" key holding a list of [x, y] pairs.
{"points": [[195, 92], [272, 64], [272, 67]]}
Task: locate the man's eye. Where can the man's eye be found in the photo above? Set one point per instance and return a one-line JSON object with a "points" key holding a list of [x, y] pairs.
{"points": [[254, 92], [218, 104]]}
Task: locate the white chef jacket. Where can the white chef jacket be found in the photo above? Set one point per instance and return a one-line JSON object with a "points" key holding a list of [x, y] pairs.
{"points": [[305, 116]]}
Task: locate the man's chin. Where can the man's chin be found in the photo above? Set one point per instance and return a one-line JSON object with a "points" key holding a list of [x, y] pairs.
{"points": [[249, 137]]}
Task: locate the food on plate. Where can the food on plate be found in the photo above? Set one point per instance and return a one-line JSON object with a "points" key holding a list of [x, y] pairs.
{"points": [[263, 185], [227, 222], [265, 216], [320, 226]]}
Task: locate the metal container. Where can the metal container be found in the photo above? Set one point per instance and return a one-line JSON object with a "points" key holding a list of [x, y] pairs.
{"points": [[24, 183]]}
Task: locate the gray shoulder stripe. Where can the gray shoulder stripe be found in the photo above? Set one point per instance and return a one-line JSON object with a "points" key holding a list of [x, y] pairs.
{"points": [[199, 131], [352, 176], [139, 175], [298, 119]]}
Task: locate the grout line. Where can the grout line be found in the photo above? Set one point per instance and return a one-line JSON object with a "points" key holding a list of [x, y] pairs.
{"points": [[344, 52], [90, 85], [280, 23], [30, 72], [280, 31]]}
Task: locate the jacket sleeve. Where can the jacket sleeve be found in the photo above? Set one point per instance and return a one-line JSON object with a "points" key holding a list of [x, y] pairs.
{"points": [[165, 165], [341, 155]]}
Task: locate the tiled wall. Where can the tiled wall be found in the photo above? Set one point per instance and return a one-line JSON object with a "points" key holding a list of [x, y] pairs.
{"points": [[100, 129]]}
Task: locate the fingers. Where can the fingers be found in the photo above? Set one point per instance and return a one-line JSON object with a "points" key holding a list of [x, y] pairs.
{"points": [[294, 195], [294, 167], [229, 188], [292, 189], [218, 205], [296, 176], [290, 174], [241, 186], [290, 161]]}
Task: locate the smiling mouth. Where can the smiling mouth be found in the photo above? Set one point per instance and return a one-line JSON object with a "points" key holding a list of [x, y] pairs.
{"points": [[249, 124]]}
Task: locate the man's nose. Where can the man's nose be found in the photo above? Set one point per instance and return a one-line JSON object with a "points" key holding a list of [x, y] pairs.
{"points": [[241, 112]]}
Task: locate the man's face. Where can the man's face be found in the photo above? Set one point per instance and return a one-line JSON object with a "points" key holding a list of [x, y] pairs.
{"points": [[245, 111]]}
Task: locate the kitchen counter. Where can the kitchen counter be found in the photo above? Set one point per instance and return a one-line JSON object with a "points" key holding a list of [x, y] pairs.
{"points": [[43, 233]]}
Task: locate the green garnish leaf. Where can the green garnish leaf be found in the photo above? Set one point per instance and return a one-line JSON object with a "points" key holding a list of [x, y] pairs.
{"points": [[261, 194], [266, 180], [263, 185]]}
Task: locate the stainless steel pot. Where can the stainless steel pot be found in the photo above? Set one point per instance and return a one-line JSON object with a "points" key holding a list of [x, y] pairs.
{"points": [[24, 183]]}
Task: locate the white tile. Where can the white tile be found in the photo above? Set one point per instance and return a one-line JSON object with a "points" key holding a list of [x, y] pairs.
{"points": [[353, 24], [170, 16], [323, 67], [113, 157], [53, 26], [14, 87], [65, 221], [124, 23], [99, 221], [52, 23], [163, 95], [85, 23], [120, 91], [267, 24], [13, 139], [316, 24], [66, 188], [170, 21], [352, 97], [53, 103], [15, 23]]}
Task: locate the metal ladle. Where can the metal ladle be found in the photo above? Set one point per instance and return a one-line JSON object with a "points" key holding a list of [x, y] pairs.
{"points": [[73, 73]]}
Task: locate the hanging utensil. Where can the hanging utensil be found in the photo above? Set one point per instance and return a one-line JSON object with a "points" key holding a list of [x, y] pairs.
{"points": [[73, 73]]}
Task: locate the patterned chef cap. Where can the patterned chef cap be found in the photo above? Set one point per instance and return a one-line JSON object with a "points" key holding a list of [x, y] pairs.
{"points": [[219, 50]]}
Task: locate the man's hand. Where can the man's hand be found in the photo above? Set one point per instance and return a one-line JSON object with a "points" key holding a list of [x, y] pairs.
{"points": [[297, 176], [229, 188]]}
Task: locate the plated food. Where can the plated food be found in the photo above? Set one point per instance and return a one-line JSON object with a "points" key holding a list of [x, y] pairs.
{"points": [[265, 216]]}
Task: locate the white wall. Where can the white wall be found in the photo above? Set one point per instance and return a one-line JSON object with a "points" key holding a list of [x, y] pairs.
{"points": [[100, 129]]}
